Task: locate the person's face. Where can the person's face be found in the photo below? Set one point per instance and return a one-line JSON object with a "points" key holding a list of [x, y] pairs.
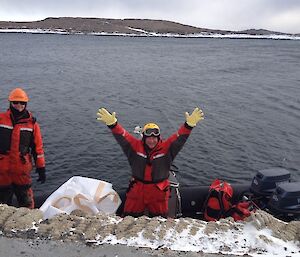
{"points": [[20, 106], [151, 142]]}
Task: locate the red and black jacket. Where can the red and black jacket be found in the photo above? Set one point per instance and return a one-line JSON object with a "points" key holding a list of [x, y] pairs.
{"points": [[153, 166], [19, 141]]}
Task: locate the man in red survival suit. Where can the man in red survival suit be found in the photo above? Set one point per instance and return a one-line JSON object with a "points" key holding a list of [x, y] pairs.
{"points": [[150, 159], [20, 141]]}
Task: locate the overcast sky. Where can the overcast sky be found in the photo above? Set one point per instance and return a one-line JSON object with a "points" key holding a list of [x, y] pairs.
{"points": [[276, 15]]}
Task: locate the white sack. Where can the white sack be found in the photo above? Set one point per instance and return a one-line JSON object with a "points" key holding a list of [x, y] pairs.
{"points": [[81, 193]]}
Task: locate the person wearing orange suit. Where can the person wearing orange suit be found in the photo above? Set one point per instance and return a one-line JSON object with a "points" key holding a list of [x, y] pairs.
{"points": [[20, 144], [150, 159]]}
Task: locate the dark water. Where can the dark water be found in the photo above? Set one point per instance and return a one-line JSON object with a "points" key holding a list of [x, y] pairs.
{"points": [[249, 91]]}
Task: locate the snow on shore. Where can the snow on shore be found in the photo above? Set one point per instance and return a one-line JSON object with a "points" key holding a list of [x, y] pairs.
{"points": [[143, 33], [260, 235]]}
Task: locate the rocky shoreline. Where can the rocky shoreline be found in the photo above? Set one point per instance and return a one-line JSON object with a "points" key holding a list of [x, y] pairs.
{"points": [[156, 233]]}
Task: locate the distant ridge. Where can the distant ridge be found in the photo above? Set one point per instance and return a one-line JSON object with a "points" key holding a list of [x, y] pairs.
{"points": [[122, 26]]}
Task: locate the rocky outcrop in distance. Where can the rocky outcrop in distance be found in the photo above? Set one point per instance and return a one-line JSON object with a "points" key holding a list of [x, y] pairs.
{"points": [[122, 26]]}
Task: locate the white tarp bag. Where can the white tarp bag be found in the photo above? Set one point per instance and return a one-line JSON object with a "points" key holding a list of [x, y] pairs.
{"points": [[81, 193]]}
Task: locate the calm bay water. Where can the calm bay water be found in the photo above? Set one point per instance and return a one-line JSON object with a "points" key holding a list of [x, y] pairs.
{"points": [[249, 91]]}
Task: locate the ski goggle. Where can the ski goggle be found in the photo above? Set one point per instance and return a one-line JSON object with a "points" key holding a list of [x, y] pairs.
{"points": [[18, 102], [152, 132]]}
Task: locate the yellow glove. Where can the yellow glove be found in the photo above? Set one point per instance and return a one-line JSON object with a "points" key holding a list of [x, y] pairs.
{"points": [[194, 118], [106, 117]]}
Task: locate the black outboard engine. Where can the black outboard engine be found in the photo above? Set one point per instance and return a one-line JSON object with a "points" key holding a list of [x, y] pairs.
{"points": [[285, 201], [265, 182]]}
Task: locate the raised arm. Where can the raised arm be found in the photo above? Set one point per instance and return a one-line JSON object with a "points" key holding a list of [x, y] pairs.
{"points": [[123, 137], [178, 139]]}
